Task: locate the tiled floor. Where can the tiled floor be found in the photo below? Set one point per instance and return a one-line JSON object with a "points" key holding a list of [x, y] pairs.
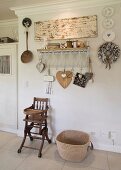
{"points": [[28, 159]]}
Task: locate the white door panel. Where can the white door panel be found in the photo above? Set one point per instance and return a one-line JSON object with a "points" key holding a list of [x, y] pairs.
{"points": [[8, 88]]}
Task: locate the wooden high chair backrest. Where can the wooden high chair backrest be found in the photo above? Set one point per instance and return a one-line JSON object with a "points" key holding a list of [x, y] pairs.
{"points": [[40, 103]]}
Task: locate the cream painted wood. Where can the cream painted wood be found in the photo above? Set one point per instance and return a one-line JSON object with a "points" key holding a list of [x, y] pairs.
{"points": [[8, 90]]}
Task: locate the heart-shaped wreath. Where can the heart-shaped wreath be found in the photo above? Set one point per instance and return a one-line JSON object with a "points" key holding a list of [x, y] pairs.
{"points": [[108, 53]]}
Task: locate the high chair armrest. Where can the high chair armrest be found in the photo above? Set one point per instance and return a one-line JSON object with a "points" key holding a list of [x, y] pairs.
{"points": [[33, 112], [31, 107]]}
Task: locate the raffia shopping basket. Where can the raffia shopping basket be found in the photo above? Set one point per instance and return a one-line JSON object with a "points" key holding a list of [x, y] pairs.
{"points": [[72, 145]]}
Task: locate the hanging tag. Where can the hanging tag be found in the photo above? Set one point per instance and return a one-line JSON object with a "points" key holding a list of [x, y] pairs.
{"points": [[49, 78]]}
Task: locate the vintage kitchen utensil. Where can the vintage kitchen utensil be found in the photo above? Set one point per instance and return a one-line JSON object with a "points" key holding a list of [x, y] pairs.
{"points": [[49, 79], [64, 78], [27, 55], [27, 22]]}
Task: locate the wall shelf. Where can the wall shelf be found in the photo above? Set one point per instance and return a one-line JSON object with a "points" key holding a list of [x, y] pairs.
{"points": [[64, 57], [63, 50]]}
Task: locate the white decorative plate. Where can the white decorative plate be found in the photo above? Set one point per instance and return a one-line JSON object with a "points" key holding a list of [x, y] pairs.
{"points": [[109, 35], [108, 23], [108, 11]]}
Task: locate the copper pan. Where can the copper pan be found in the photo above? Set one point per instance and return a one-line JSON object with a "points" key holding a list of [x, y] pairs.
{"points": [[27, 55]]}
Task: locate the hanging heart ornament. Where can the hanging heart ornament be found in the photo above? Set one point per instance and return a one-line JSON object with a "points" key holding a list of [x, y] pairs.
{"points": [[40, 67], [64, 78]]}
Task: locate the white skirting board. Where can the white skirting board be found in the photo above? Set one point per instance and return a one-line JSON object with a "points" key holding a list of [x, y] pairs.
{"points": [[8, 130], [112, 148]]}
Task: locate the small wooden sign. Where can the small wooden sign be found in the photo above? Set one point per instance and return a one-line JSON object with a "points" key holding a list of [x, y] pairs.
{"points": [[67, 28]]}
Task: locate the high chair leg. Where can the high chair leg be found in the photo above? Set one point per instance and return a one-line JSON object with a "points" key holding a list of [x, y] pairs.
{"points": [[46, 135], [29, 129], [42, 143], [22, 144]]}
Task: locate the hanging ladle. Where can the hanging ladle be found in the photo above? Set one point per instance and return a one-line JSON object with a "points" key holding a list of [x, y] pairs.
{"points": [[27, 55]]}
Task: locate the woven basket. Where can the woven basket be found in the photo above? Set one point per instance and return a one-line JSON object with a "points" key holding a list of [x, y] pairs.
{"points": [[72, 145]]}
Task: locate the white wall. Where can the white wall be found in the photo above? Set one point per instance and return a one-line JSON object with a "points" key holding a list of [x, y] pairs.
{"points": [[95, 109]]}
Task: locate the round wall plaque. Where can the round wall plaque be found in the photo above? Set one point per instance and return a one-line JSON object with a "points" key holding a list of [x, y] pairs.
{"points": [[108, 23], [109, 35], [108, 11]]}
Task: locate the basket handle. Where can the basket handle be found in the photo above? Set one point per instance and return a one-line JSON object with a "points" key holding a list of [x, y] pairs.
{"points": [[91, 147]]}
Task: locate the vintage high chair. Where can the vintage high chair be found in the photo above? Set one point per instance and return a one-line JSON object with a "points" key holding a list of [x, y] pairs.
{"points": [[36, 117]]}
